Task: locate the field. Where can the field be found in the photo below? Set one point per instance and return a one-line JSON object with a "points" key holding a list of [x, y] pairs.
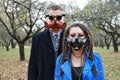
{"points": [[11, 68]]}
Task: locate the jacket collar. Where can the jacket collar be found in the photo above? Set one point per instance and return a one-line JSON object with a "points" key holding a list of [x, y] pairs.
{"points": [[88, 64], [66, 66], [87, 67]]}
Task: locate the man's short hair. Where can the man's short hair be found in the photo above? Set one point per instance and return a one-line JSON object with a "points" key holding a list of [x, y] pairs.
{"points": [[55, 7]]}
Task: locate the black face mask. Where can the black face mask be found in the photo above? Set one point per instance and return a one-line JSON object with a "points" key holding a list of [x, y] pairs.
{"points": [[76, 42]]}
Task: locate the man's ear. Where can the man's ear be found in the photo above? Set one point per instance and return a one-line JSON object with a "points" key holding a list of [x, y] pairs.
{"points": [[64, 25], [45, 24]]}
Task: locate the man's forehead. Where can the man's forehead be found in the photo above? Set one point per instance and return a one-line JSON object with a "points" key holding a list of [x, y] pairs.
{"points": [[55, 12]]}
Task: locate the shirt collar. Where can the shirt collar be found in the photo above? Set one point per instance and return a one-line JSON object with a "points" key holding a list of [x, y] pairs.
{"points": [[53, 34], [57, 33]]}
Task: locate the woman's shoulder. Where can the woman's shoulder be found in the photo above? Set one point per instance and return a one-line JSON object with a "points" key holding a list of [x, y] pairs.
{"points": [[96, 55]]}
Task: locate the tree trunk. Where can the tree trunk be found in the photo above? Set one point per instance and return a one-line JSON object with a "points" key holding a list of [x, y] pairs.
{"points": [[115, 45], [107, 43], [96, 43], [7, 47], [3, 46], [21, 51], [108, 46], [12, 44]]}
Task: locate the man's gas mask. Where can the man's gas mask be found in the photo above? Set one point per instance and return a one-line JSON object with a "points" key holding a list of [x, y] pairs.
{"points": [[76, 42], [55, 23]]}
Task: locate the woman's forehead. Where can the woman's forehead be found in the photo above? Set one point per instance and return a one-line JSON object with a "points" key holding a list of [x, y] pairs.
{"points": [[76, 30]]}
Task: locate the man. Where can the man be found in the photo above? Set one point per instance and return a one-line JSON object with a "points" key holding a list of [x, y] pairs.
{"points": [[46, 46]]}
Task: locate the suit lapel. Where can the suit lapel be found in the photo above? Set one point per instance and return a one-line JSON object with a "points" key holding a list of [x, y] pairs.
{"points": [[47, 39]]}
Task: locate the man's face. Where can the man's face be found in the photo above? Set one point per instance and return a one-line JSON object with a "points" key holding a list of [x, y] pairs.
{"points": [[54, 15]]}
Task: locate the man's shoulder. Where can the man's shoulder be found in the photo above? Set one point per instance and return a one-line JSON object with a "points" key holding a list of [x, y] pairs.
{"points": [[42, 33]]}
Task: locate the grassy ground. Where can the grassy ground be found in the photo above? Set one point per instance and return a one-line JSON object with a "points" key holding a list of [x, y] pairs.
{"points": [[111, 63], [11, 68]]}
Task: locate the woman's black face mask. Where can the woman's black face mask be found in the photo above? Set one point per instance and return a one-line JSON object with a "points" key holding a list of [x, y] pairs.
{"points": [[76, 42]]}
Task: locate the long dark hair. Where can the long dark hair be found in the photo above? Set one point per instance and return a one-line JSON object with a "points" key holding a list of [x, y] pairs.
{"points": [[89, 46]]}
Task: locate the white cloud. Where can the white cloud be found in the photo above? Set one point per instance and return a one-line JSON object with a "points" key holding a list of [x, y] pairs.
{"points": [[80, 3]]}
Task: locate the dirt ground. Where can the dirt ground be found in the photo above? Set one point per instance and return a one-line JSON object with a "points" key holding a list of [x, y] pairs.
{"points": [[13, 70]]}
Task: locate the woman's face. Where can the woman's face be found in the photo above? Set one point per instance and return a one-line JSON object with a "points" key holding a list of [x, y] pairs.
{"points": [[76, 32]]}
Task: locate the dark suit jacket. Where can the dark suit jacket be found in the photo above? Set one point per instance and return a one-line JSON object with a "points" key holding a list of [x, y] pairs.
{"points": [[42, 58]]}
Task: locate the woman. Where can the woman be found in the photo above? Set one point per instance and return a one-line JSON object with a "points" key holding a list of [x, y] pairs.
{"points": [[78, 61]]}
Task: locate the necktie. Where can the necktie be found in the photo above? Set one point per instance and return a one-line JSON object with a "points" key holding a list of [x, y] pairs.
{"points": [[56, 41]]}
